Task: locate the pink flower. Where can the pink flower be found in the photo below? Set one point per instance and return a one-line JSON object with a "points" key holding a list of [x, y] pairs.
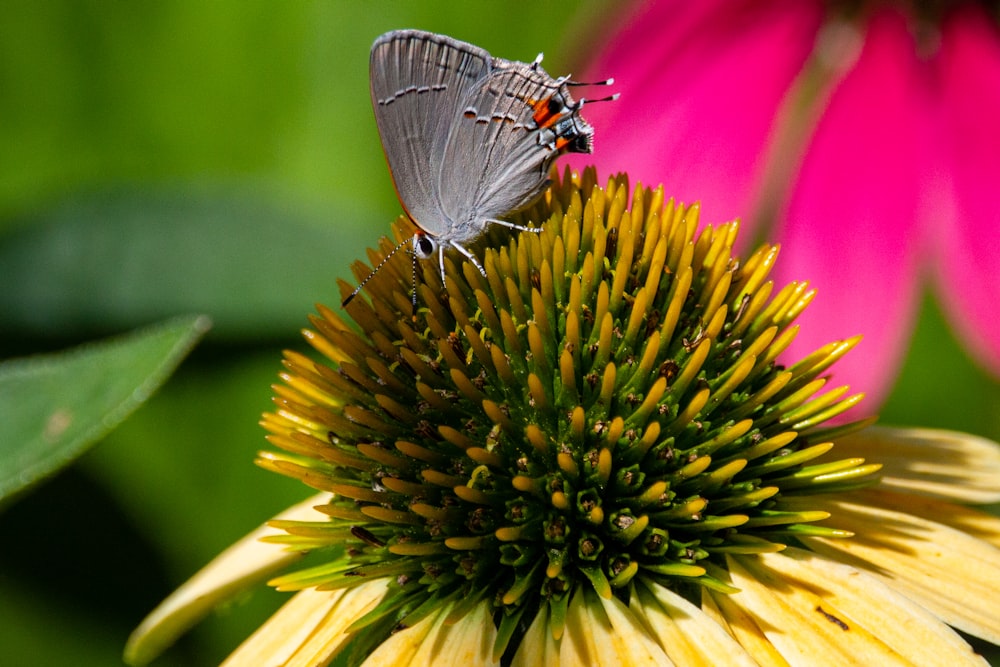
{"points": [[870, 142]]}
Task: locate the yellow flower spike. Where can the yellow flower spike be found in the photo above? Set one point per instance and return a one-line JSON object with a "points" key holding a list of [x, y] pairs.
{"points": [[690, 411], [649, 437], [625, 576], [605, 461], [588, 278], [567, 464], [595, 516], [474, 496], [384, 515], [655, 272], [650, 351], [496, 413], [652, 494], [540, 318], [749, 308], [755, 271], [691, 368], [546, 289], [714, 480], [569, 394], [676, 570], [403, 486], [602, 355], [560, 501], [771, 445], [485, 457], [537, 438], [536, 345], [686, 510], [577, 427], [573, 342], [615, 429], [726, 436], [739, 373], [520, 587], [720, 292], [637, 315], [379, 455], [608, 380], [438, 478], [775, 312], [465, 543], [525, 484], [419, 453], [760, 345], [649, 403], [486, 308]]}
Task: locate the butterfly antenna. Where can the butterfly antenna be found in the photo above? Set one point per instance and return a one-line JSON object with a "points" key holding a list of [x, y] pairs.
{"points": [[350, 297], [606, 82], [413, 291], [609, 98]]}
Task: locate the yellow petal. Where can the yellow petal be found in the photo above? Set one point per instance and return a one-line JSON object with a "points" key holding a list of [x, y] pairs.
{"points": [[400, 648], [308, 629], [597, 633], [538, 648], [466, 643], [243, 564], [742, 626], [577, 645], [629, 642], [948, 571], [685, 633], [469, 642], [943, 464], [820, 612]]}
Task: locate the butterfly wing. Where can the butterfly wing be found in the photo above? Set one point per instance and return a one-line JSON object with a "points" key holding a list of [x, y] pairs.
{"points": [[418, 83], [512, 125]]}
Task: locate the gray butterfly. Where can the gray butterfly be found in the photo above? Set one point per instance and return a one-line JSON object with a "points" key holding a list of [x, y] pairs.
{"points": [[469, 138]]}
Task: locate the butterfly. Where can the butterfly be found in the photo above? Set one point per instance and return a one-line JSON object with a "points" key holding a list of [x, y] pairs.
{"points": [[468, 138]]}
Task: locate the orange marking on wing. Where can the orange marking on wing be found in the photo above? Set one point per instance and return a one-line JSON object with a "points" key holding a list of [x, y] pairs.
{"points": [[544, 115]]}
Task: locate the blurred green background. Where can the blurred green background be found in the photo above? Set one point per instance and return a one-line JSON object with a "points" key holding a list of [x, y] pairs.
{"points": [[159, 158]]}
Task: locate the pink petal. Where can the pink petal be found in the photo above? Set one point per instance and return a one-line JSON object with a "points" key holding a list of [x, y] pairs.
{"points": [[700, 83], [850, 227], [969, 238]]}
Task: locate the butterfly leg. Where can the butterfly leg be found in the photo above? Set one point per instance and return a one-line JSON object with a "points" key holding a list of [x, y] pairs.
{"points": [[511, 225], [469, 256]]}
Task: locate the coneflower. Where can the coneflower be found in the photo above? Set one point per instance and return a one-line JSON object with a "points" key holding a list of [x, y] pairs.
{"points": [[594, 456]]}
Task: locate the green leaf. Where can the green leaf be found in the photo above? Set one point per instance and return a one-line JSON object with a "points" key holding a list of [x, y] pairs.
{"points": [[248, 257], [55, 406]]}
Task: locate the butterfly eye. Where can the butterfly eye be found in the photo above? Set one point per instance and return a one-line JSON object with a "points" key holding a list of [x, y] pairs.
{"points": [[424, 246]]}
